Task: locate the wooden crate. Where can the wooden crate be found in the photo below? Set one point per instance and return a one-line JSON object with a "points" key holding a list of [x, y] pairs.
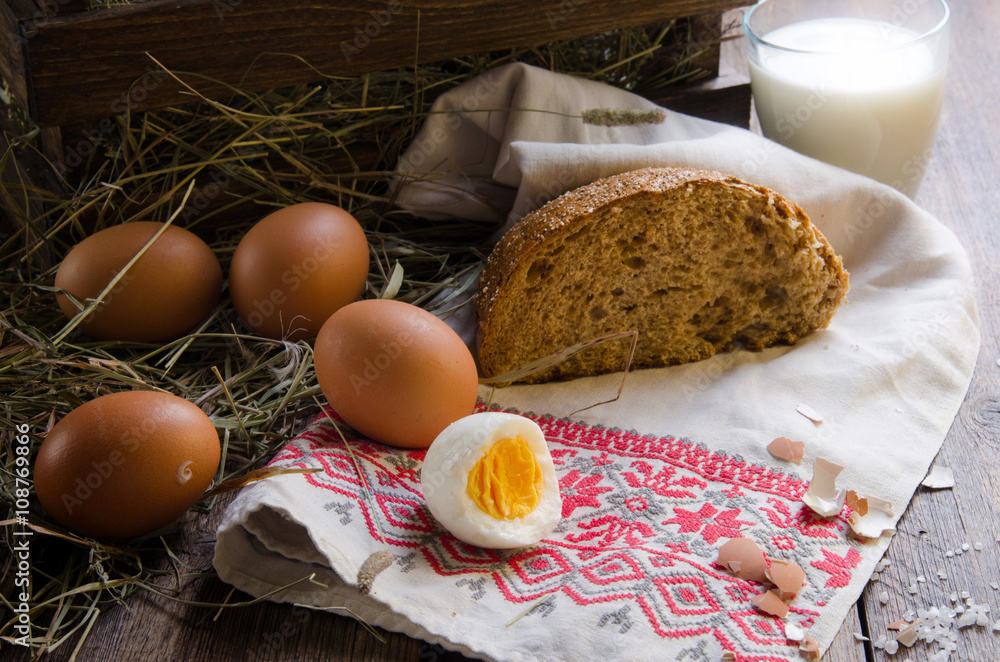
{"points": [[74, 66]]}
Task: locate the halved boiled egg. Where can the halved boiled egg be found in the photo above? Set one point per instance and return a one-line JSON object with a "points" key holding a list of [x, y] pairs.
{"points": [[489, 479]]}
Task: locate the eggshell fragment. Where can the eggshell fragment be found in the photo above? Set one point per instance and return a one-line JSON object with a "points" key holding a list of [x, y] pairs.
{"points": [[785, 449], [901, 624], [744, 558], [810, 413], [786, 577], [873, 519], [770, 603], [823, 497], [793, 632], [809, 649], [856, 503], [939, 478], [908, 635]]}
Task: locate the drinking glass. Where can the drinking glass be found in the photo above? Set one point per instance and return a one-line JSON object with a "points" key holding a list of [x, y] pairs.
{"points": [[855, 83]]}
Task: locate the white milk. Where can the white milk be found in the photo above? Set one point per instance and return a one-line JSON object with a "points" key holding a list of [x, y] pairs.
{"points": [[855, 104]]}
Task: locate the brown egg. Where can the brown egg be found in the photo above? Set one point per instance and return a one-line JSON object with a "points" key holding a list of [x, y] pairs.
{"points": [[296, 267], [395, 372], [171, 289], [125, 464]]}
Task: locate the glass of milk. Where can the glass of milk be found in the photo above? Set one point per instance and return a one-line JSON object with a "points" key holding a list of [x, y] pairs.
{"points": [[855, 83]]}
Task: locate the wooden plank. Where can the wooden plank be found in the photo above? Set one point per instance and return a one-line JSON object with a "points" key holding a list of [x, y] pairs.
{"points": [[12, 66], [38, 10], [94, 64], [845, 647], [16, 18], [150, 627], [960, 190]]}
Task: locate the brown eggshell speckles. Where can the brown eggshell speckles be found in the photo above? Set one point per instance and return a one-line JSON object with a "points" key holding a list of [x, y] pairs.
{"points": [[125, 464], [744, 558]]}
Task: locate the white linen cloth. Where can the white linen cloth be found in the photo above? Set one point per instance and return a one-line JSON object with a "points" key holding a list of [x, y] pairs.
{"points": [[656, 481]]}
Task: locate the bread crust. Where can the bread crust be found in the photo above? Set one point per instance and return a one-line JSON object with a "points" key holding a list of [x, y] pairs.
{"points": [[560, 216]]}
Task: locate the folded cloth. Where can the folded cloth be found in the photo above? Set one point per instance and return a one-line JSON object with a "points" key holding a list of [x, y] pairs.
{"points": [[657, 480]]}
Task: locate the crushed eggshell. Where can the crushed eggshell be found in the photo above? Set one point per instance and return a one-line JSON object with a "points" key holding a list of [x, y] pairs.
{"points": [[908, 635], [823, 497], [785, 449], [939, 478], [769, 602], [856, 503], [810, 413], [809, 649], [786, 577], [744, 558], [903, 623], [793, 632], [878, 518]]}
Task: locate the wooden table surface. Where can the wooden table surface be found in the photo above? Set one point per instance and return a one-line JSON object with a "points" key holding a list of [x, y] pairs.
{"points": [[963, 191]]}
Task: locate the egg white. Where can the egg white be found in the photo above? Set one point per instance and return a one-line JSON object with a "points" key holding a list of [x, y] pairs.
{"points": [[445, 474]]}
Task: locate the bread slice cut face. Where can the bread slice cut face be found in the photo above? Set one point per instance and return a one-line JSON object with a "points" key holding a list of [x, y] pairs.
{"points": [[695, 261]]}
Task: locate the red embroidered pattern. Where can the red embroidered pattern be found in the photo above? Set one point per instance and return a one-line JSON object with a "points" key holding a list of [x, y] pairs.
{"points": [[642, 520]]}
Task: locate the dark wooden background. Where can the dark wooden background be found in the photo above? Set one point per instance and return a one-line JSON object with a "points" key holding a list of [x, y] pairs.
{"points": [[962, 189], [80, 64]]}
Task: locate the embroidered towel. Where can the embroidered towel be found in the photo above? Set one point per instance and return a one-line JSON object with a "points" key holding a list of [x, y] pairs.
{"points": [[656, 481]]}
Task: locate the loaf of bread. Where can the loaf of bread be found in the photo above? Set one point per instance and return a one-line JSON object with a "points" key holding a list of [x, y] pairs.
{"points": [[695, 261]]}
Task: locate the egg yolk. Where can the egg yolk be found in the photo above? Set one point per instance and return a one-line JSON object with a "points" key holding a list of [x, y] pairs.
{"points": [[506, 483]]}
